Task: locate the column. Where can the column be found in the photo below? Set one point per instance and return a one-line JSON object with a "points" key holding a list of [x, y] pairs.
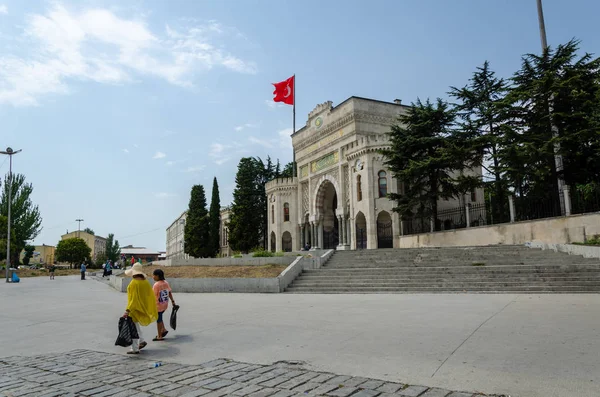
{"points": [[344, 230], [511, 208], [468, 214], [567, 199], [312, 235], [301, 236], [340, 230]]}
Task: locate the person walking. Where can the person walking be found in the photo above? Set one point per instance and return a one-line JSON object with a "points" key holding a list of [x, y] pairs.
{"points": [[141, 305], [82, 270], [162, 292], [52, 270]]}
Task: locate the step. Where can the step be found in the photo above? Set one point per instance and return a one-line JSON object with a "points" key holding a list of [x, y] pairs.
{"points": [[453, 284], [516, 289]]}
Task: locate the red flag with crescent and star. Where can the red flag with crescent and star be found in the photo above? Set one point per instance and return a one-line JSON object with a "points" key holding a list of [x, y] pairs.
{"points": [[284, 91]]}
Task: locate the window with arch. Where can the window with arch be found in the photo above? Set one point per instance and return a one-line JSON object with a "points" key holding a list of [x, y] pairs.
{"points": [[272, 214], [286, 212], [358, 188], [382, 182]]}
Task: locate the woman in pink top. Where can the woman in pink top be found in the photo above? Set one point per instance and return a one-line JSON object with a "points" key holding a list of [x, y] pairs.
{"points": [[162, 291]]}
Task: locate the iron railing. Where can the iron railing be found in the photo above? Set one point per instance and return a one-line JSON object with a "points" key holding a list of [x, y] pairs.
{"points": [[584, 200]]}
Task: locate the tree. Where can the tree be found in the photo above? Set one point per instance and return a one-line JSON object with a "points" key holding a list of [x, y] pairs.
{"points": [[25, 216], [113, 250], [245, 227], [422, 158], [89, 231], [288, 170], [196, 231], [73, 251], [3, 237], [214, 221], [480, 110], [29, 249]]}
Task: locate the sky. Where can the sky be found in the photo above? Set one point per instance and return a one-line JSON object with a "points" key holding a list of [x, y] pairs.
{"points": [[121, 107]]}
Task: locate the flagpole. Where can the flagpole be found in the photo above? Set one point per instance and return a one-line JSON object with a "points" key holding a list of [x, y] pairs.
{"points": [[294, 172]]}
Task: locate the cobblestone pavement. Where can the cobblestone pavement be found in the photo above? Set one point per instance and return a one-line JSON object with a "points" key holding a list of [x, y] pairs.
{"points": [[89, 373]]}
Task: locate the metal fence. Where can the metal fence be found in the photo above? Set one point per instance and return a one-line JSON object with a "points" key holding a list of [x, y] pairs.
{"points": [[528, 208], [585, 200]]}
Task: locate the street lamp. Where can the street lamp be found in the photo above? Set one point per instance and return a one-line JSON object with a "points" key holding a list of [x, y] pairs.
{"points": [[558, 159], [9, 152]]}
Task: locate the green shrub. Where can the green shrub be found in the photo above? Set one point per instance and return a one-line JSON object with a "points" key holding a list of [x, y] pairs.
{"points": [[280, 253], [237, 256], [262, 254]]}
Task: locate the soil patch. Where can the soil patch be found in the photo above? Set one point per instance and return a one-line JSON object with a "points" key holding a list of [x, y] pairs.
{"points": [[43, 272], [264, 271]]}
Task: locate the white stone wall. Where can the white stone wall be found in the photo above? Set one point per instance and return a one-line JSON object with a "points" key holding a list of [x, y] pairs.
{"points": [[175, 238]]}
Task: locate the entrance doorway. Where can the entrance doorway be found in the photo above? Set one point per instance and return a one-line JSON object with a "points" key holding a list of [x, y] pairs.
{"points": [[361, 231], [327, 205], [286, 242], [385, 235], [273, 242]]}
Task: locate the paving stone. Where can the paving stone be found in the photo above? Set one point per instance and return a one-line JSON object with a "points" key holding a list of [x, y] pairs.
{"points": [[412, 391], [196, 393], [81, 387], [342, 392], [291, 383], [195, 379], [232, 374], [52, 393], [97, 390], [355, 381], [275, 381], [367, 393], [266, 392], [263, 378], [390, 387], [226, 391], [205, 382], [162, 390], [33, 391], [308, 386], [372, 384], [113, 391], [461, 394], [150, 386], [435, 392], [324, 389], [283, 393], [338, 380], [219, 384], [248, 389], [190, 374], [180, 391], [248, 377]]}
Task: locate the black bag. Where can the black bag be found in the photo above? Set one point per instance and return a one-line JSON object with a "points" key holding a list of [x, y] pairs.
{"points": [[173, 321], [127, 332]]}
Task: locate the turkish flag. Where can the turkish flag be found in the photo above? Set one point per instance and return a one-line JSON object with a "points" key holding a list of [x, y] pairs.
{"points": [[284, 91]]}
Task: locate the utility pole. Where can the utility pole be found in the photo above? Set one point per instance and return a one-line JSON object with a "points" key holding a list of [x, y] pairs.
{"points": [[79, 226], [10, 153], [558, 160]]}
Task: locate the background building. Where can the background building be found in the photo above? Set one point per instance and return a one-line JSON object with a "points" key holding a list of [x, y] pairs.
{"points": [[224, 232], [43, 255], [96, 243], [175, 238], [143, 253]]}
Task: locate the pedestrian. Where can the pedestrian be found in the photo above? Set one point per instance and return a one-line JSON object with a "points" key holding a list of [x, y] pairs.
{"points": [[104, 265], [162, 292], [141, 305], [52, 270], [132, 260], [108, 269], [82, 270]]}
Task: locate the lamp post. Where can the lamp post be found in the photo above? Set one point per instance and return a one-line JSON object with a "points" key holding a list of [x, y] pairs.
{"points": [[9, 152], [558, 159]]}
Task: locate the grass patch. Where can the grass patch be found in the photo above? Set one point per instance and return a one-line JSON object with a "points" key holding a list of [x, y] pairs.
{"points": [[595, 240], [478, 264], [24, 273], [263, 254], [264, 271]]}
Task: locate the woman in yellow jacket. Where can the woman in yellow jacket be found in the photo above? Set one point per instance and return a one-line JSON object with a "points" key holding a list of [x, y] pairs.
{"points": [[141, 305]]}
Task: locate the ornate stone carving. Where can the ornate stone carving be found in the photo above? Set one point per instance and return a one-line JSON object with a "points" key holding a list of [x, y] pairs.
{"points": [[320, 108], [305, 198], [346, 183], [332, 127], [325, 162], [304, 171]]}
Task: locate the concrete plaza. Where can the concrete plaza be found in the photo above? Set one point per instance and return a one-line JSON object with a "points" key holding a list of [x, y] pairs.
{"points": [[519, 345]]}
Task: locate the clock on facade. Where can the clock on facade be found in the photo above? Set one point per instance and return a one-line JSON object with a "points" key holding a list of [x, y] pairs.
{"points": [[359, 165]]}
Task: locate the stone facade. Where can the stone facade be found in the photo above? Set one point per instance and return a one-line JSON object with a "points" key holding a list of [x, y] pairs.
{"points": [[339, 198], [224, 232], [97, 244], [175, 238]]}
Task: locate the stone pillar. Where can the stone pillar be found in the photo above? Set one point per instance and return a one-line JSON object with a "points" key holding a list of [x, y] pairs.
{"points": [[567, 199], [468, 214], [431, 225], [312, 235], [344, 230], [511, 208], [320, 239], [341, 229], [301, 236]]}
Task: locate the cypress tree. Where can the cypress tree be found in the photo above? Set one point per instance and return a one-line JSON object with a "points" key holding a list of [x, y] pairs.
{"points": [[196, 232], [246, 220], [215, 220]]}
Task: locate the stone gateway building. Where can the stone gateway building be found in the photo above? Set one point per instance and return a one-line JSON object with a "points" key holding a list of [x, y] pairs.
{"points": [[339, 198]]}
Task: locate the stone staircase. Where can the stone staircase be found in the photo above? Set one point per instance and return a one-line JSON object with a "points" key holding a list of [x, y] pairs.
{"points": [[494, 269]]}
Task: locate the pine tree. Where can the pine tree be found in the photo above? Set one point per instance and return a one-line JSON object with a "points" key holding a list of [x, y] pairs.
{"points": [[245, 230], [481, 113], [196, 232], [263, 174], [113, 250], [215, 220], [288, 170], [420, 157]]}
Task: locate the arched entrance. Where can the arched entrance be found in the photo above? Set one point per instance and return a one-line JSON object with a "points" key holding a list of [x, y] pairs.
{"points": [[286, 242], [326, 205], [361, 231], [385, 235], [273, 242]]}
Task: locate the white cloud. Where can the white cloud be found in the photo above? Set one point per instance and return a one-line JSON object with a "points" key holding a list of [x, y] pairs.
{"points": [[195, 169], [164, 195], [218, 152], [3, 9], [285, 139], [159, 155], [136, 145], [125, 150], [222, 160], [244, 126], [261, 142], [99, 46]]}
